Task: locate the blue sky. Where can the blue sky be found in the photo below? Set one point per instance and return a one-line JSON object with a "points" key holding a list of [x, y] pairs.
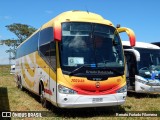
{"points": [[142, 16]]}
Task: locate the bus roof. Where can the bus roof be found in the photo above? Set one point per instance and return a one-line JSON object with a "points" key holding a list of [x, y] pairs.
{"points": [[78, 16], [74, 16], [141, 45], [156, 43]]}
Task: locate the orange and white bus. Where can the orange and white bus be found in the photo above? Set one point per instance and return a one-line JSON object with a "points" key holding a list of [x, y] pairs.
{"points": [[75, 60]]}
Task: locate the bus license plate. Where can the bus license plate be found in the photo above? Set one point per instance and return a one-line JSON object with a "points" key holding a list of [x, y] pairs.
{"points": [[95, 100], [156, 89]]}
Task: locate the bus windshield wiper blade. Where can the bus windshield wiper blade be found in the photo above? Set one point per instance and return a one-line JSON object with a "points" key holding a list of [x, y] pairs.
{"points": [[85, 65]]}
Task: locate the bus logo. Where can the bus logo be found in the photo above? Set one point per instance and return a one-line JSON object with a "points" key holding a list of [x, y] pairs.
{"points": [[97, 84]]}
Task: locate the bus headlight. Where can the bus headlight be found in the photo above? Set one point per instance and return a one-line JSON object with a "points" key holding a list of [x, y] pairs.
{"points": [[123, 89], [65, 90], [142, 80]]}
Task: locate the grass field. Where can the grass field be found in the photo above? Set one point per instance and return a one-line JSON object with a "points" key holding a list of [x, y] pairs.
{"points": [[12, 99]]}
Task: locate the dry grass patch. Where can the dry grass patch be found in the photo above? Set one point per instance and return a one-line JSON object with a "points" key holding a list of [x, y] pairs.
{"points": [[13, 99]]}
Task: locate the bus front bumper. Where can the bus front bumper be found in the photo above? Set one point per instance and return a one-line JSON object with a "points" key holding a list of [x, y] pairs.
{"points": [[81, 101], [143, 88]]}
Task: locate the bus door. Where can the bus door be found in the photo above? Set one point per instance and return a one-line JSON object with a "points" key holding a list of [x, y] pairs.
{"points": [[53, 72], [47, 71], [131, 69]]}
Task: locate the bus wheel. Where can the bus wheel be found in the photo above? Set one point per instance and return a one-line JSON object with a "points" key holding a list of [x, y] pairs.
{"points": [[17, 82], [42, 98], [20, 84]]}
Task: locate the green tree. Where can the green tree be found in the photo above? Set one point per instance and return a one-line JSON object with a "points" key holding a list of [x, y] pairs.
{"points": [[22, 32]]}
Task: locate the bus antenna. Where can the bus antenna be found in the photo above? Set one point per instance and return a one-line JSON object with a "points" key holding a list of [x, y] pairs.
{"points": [[87, 10]]}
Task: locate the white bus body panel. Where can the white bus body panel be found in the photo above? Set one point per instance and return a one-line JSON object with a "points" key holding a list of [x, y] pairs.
{"points": [[79, 101], [141, 45], [139, 86], [39, 75], [143, 88]]}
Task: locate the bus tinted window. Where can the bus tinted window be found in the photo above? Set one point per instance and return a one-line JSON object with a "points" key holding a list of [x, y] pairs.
{"points": [[29, 46], [53, 55], [47, 47], [90, 44], [46, 35]]}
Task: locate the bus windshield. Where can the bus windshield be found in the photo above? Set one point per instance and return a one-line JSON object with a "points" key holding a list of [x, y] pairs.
{"points": [[149, 61], [90, 46]]}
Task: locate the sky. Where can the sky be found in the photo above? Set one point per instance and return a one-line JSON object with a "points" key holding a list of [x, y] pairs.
{"points": [[142, 16]]}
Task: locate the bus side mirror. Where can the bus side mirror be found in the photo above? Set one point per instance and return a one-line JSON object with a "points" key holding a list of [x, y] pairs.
{"points": [[130, 33], [57, 31]]}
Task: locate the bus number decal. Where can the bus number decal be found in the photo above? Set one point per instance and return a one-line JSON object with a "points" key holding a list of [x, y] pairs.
{"points": [[77, 80]]}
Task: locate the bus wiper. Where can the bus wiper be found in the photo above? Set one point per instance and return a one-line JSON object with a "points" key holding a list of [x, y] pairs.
{"points": [[85, 65]]}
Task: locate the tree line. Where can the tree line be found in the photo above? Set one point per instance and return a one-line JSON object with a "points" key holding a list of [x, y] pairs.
{"points": [[22, 32]]}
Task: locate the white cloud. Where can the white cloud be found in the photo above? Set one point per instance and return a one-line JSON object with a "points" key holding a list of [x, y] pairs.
{"points": [[48, 11], [7, 17]]}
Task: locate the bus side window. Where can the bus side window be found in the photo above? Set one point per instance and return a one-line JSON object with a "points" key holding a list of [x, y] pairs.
{"points": [[47, 46], [53, 55]]}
